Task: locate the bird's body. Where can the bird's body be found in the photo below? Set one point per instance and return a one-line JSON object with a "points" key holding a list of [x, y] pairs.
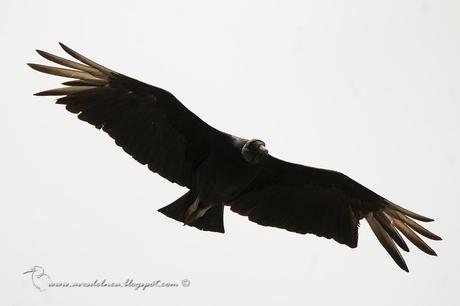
{"points": [[214, 187], [220, 170]]}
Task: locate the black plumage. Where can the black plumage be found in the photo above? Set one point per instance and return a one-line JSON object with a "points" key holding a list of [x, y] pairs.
{"points": [[220, 169]]}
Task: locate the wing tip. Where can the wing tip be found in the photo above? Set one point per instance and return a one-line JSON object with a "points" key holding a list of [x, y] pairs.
{"points": [[386, 241], [32, 65], [37, 67], [409, 213], [41, 52], [405, 268], [391, 230], [68, 50]]}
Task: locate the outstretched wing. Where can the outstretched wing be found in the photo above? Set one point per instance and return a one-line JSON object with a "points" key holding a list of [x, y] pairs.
{"points": [[149, 123], [328, 204]]}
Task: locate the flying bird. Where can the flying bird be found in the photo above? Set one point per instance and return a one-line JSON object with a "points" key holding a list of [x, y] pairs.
{"points": [[220, 169]]}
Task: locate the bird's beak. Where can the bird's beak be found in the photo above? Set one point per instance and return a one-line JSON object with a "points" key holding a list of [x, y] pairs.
{"points": [[263, 149], [28, 271]]}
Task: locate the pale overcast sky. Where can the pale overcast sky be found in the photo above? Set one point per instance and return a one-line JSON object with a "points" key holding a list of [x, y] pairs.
{"points": [[368, 88]]}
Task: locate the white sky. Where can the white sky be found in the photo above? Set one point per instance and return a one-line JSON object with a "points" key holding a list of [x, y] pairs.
{"points": [[369, 88]]}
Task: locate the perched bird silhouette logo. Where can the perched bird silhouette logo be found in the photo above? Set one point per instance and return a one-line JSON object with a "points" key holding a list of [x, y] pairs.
{"points": [[37, 274]]}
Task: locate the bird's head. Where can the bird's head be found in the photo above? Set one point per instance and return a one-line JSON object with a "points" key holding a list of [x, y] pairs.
{"points": [[253, 151]]}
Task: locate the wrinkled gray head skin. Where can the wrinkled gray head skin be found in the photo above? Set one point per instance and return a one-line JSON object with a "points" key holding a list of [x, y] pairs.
{"points": [[253, 151]]}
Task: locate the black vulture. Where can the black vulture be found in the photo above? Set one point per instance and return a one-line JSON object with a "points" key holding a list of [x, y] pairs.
{"points": [[220, 169]]}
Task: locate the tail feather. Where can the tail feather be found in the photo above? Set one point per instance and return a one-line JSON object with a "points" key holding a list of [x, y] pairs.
{"points": [[212, 221], [176, 210]]}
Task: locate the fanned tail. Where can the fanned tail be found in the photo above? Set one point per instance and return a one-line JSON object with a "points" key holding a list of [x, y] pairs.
{"points": [[212, 220]]}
